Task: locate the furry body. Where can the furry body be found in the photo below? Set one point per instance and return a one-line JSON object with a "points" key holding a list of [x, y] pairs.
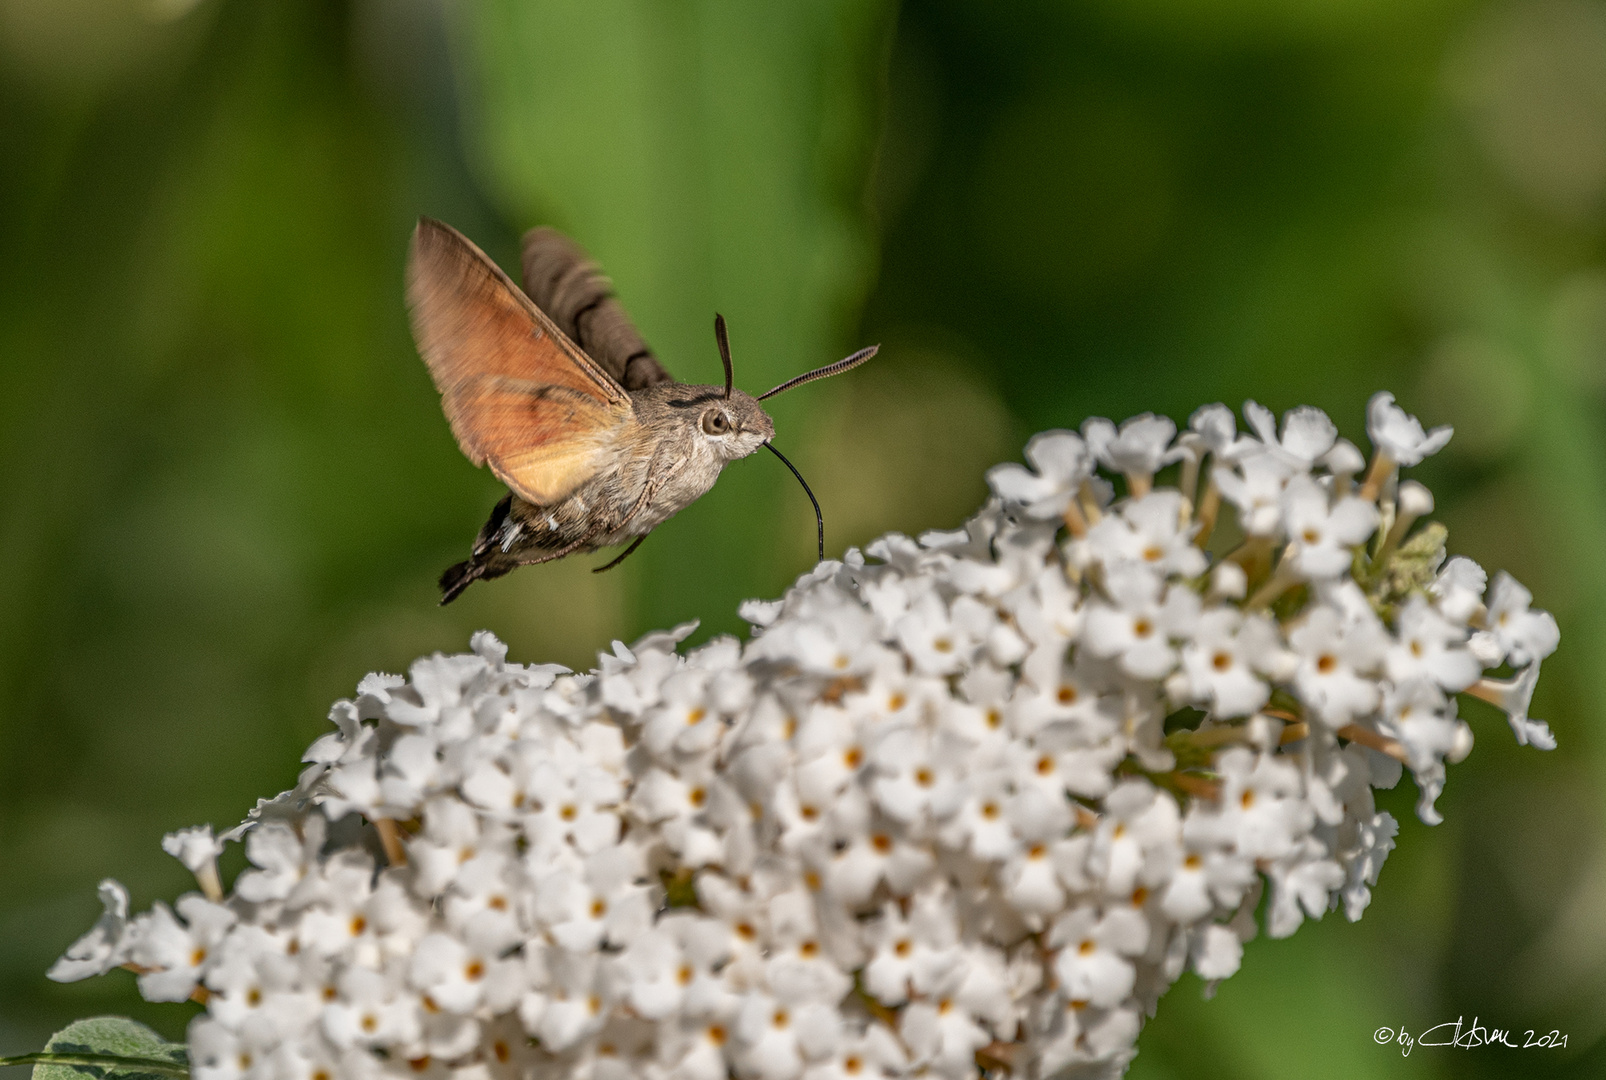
{"points": [[670, 462]]}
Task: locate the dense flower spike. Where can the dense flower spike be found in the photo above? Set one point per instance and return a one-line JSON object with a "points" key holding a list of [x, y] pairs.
{"points": [[968, 802]]}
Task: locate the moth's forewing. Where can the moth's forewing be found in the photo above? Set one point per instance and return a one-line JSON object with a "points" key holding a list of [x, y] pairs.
{"points": [[519, 395]]}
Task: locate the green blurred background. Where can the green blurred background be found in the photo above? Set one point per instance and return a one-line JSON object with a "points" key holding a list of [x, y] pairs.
{"points": [[226, 488]]}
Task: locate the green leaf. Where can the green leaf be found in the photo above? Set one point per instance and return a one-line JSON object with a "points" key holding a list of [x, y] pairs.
{"points": [[147, 1055]]}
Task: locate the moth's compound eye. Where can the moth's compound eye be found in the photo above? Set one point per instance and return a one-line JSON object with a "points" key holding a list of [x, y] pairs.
{"points": [[715, 422]]}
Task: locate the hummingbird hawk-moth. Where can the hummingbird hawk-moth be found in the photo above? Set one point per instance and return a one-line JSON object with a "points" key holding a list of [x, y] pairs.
{"points": [[555, 390]]}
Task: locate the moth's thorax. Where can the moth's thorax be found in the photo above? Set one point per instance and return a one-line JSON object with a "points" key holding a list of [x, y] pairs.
{"points": [[667, 461], [669, 456]]}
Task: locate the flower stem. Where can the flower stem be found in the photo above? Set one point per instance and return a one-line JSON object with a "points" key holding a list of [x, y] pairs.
{"points": [[1188, 482], [1382, 744], [1293, 733], [1376, 476], [1075, 520], [1090, 503], [1190, 784], [1211, 738], [211, 885], [390, 837], [1209, 507]]}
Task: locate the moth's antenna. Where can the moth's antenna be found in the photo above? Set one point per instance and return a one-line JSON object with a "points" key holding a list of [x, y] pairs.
{"points": [[821, 373], [819, 518], [724, 340]]}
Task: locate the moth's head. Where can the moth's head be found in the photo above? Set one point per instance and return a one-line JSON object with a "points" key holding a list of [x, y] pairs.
{"points": [[733, 425], [733, 422]]}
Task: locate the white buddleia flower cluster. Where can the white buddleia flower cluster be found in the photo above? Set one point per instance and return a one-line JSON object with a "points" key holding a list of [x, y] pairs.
{"points": [[968, 802]]}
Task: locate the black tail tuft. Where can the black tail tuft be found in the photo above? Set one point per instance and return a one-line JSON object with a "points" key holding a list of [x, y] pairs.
{"points": [[457, 578]]}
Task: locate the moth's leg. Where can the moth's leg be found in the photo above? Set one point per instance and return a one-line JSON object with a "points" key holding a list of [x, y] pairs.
{"points": [[644, 500], [648, 490], [567, 549], [627, 553]]}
